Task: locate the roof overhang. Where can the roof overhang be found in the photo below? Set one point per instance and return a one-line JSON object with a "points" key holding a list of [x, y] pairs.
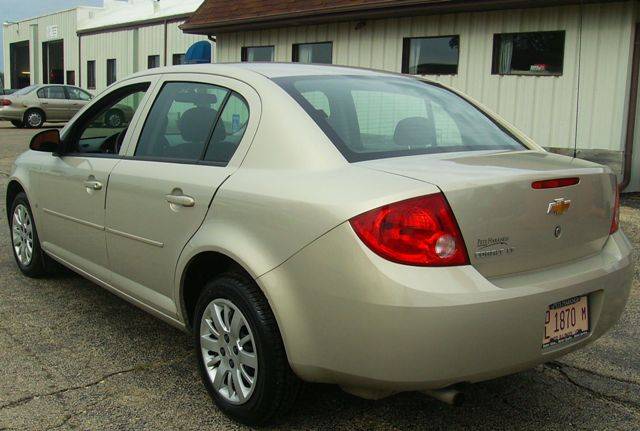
{"points": [[391, 9]]}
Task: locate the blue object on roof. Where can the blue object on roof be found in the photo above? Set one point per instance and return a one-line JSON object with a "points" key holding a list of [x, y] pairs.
{"points": [[199, 52]]}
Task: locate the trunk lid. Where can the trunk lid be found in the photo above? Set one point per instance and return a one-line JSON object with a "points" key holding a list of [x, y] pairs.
{"points": [[504, 221]]}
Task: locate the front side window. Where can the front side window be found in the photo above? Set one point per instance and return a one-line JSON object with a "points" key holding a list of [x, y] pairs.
{"points": [[431, 55], [111, 71], [76, 93], [52, 92], [321, 53], [378, 117], [153, 61], [257, 53], [538, 53], [102, 128]]}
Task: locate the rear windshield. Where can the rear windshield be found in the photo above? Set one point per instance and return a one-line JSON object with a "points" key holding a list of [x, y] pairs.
{"points": [[378, 117], [26, 90]]}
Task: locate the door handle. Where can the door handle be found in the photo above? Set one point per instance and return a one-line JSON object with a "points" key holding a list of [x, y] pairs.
{"points": [[182, 200], [93, 185]]}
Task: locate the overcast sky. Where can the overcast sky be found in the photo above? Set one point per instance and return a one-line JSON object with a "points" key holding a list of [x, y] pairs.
{"points": [[15, 10]]}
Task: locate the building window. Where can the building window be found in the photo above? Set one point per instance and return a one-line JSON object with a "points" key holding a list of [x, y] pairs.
{"points": [[111, 71], [431, 55], [313, 52], [91, 74], [71, 77], [153, 61], [177, 59], [258, 53], [539, 53]]}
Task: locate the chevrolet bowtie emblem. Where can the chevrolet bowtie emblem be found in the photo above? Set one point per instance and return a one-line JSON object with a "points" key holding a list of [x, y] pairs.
{"points": [[558, 206]]}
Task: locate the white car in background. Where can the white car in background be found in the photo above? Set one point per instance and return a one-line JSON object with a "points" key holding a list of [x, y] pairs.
{"points": [[326, 224]]}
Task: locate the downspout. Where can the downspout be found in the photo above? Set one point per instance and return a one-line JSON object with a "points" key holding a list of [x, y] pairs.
{"points": [[79, 84], [631, 116], [165, 42]]}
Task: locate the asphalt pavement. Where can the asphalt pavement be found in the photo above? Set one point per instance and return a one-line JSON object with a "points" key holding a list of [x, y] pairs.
{"points": [[73, 356]]}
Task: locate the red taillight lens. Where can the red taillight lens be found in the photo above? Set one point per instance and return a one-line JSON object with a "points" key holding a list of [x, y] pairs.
{"points": [[615, 220], [555, 183], [420, 231], [5, 102]]}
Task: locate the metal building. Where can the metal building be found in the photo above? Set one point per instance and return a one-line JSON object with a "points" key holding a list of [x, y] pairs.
{"points": [[564, 72], [93, 46]]}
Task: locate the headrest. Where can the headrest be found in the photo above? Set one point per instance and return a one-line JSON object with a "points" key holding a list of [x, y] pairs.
{"points": [[193, 124], [413, 132]]}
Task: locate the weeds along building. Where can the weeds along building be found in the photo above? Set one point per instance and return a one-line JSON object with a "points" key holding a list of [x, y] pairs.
{"points": [[93, 46]]}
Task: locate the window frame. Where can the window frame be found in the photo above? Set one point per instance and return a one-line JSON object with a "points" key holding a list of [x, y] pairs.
{"points": [[244, 52], [115, 70], [91, 76], [295, 53], [495, 57], [406, 54], [201, 160]]}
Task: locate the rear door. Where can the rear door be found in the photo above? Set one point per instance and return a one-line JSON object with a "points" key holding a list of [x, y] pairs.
{"points": [[53, 101], [194, 136]]}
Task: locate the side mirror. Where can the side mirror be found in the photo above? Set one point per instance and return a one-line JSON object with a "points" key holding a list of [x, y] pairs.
{"points": [[47, 141]]}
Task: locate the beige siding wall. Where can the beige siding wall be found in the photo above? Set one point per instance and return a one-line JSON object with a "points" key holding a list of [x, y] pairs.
{"points": [[150, 42], [35, 31], [544, 107], [119, 45], [178, 42]]}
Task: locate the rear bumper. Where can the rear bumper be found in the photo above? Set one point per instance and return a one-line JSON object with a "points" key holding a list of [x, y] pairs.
{"points": [[349, 317], [9, 113]]}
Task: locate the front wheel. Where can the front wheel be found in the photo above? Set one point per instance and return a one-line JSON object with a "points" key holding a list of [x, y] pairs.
{"points": [[25, 243], [240, 352]]}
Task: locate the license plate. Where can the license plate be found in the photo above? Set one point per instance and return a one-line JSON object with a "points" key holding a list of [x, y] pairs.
{"points": [[566, 320]]}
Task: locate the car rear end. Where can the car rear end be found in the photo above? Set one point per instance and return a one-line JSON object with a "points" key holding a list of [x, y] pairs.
{"points": [[13, 106], [507, 258]]}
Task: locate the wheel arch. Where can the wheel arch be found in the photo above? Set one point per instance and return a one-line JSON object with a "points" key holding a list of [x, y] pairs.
{"points": [[13, 189], [200, 268]]}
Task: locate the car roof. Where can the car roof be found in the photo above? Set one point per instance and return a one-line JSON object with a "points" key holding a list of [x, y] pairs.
{"points": [[269, 70]]}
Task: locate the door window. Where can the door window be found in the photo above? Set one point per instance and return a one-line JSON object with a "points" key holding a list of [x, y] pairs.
{"points": [[181, 122], [52, 92], [228, 131], [76, 93], [102, 128]]}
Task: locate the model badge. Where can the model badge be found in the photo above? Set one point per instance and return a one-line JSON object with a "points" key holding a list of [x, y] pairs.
{"points": [[558, 206], [493, 247]]}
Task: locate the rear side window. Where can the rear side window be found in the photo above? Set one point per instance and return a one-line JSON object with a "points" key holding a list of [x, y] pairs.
{"points": [[193, 122], [376, 117], [52, 92]]}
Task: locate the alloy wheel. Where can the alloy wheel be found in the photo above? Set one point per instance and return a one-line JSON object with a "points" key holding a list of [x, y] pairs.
{"points": [[34, 119], [22, 235], [229, 351]]}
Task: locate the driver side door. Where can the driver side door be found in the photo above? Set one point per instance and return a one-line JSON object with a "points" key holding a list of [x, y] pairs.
{"points": [[72, 186]]}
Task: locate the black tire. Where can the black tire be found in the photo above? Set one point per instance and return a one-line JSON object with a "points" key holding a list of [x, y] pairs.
{"points": [[40, 264], [33, 118], [276, 387], [18, 124], [114, 118]]}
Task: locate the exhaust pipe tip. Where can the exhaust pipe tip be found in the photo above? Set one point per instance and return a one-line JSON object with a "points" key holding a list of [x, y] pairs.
{"points": [[450, 395]]}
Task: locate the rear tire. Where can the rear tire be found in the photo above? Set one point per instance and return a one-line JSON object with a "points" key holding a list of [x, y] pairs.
{"points": [[33, 118], [18, 124], [25, 243], [268, 390]]}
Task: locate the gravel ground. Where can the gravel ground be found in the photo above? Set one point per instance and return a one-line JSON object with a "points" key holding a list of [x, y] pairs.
{"points": [[74, 356]]}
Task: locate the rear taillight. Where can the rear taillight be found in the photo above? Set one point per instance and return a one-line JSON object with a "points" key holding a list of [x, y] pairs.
{"points": [[420, 231], [615, 219], [5, 102]]}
